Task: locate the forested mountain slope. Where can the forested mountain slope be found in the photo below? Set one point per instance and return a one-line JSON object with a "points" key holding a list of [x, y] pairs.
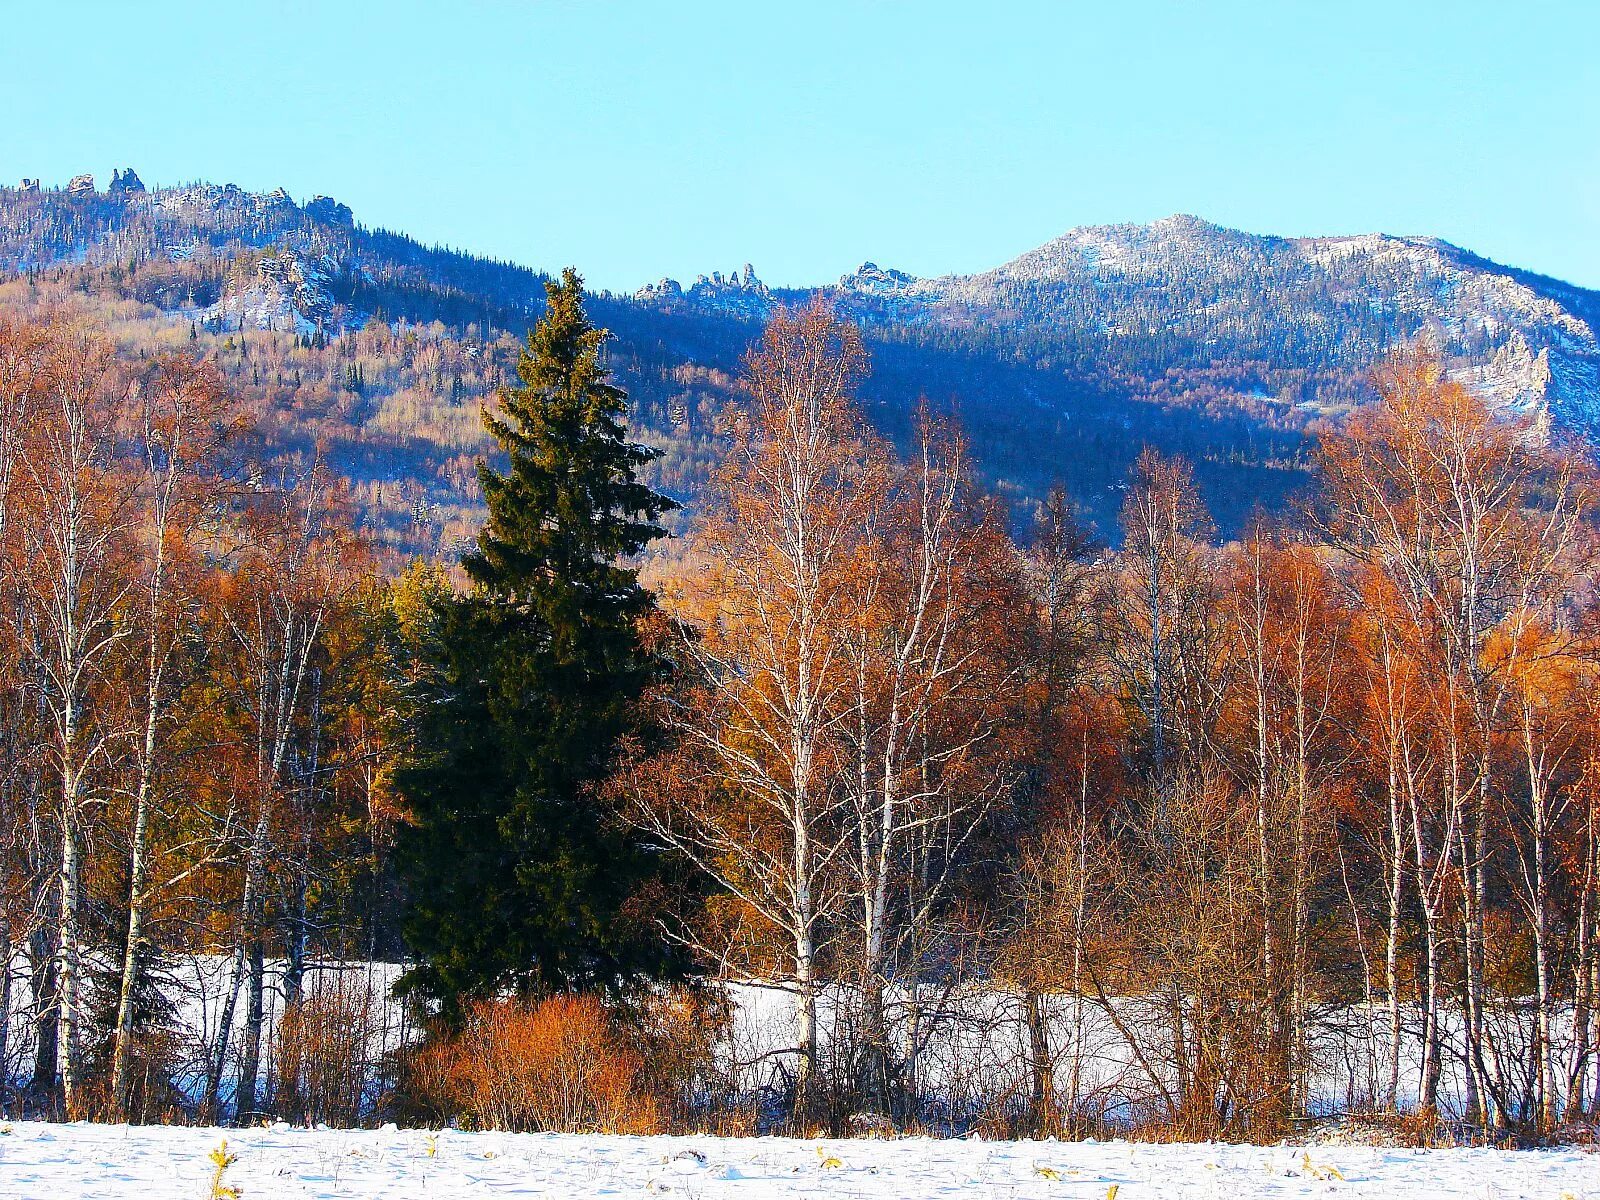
{"points": [[1189, 312], [1223, 346]]}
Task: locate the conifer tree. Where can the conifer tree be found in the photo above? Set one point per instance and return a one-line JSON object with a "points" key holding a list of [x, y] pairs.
{"points": [[517, 875]]}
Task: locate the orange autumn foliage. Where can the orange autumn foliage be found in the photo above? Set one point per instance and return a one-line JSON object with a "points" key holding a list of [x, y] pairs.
{"points": [[561, 1064]]}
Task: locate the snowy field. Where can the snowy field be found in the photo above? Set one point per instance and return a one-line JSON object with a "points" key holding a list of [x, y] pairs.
{"points": [[973, 1046], [62, 1162]]}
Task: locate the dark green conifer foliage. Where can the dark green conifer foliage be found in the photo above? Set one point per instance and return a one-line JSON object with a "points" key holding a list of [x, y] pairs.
{"points": [[515, 875]]}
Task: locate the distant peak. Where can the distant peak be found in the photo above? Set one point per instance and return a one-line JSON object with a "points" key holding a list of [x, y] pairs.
{"points": [[329, 210], [125, 183], [1189, 225], [869, 277], [1177, 226]]}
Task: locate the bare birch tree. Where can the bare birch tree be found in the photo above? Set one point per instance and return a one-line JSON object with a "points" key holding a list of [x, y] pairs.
{"points": [[931, 655], [182, 423], [764, 812], [76, 545]]}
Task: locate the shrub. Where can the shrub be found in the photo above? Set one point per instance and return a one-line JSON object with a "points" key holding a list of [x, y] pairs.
{"points": [[564, 1064], [324, 1053], [679, 1032]]}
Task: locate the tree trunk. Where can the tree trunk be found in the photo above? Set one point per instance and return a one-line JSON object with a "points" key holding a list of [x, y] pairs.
{"points": [[1479, 1101], [1583, 997], [1428, 1093], [46, 1013], [805, 1074], [68, 982], [1391, 947], [874, 1079], [248, 932], [1428, 1088], [211, 1103], [1299, 1053], [6, 951], [1042, 1113], [296, 940], [1544, 1031], [248, 1090], [132, 950], [1594, 1027]]}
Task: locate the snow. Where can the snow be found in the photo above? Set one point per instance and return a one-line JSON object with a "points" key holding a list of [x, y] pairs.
{"points": [[971, 1050], [158, 1163]]}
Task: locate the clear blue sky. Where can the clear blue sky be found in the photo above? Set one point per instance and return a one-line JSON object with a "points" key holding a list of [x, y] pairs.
{"points": [[637, 140]]}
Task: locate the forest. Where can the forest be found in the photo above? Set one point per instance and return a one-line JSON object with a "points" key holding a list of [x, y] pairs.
{"points": [[859, 802]]}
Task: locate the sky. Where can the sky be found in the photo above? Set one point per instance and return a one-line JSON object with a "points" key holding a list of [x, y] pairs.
{"points": [[641, 140]]}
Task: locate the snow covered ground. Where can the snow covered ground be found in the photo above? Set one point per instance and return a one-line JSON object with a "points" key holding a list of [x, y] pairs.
{"points": [[972, 1046], [107, 1162]]}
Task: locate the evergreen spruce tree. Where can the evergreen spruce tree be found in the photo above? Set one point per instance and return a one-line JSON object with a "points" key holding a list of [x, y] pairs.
{"points": [[515, 875]]}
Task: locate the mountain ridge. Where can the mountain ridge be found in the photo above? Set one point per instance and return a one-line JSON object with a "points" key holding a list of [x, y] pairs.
{"points": [[1547, 363], [1228, 347]]}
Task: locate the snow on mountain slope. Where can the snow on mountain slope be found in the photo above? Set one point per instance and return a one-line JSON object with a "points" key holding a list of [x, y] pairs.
{"points": [[1265, 313], [1171, 310], [1179, 311], [1214, 294], [1226, 347]]}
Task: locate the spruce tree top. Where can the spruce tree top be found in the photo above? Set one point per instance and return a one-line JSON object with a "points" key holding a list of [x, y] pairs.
{"points": [[568, 507]]}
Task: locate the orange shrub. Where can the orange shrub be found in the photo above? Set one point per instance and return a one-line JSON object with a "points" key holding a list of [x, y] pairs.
{"points": [[561, 1064], [325, 1062]]}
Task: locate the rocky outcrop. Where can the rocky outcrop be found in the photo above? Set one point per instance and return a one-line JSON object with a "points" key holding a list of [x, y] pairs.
{"points": [[660, 291], [199, 199], [289, 292], [736, 294], [80, 185], [329, 211], [872, 280], [125, 183], [1517, 378]]}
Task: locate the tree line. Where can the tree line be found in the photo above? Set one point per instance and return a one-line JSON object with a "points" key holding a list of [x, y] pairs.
{"points": [[191, 711], [1215, 814], [1219, 795], [1334, 776]]}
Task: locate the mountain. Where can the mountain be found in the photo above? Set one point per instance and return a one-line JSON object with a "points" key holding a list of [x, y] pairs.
{"points": [[373, 350], [1180, 305]]}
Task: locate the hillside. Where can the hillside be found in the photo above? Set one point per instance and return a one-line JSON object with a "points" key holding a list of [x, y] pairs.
{"points": [[1187, 311], [1225, 346]]}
